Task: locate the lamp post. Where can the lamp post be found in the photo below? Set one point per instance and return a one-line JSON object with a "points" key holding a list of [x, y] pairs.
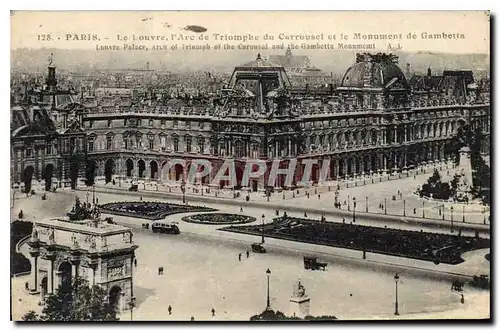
{"points": [[183, 189], [354, 209], [348, 203], [87, 197], [132, 305], [463, 214], [451, 210], [423, 210], [93, 194], [268, 273], [404, 208], [263, 217], [443, 212], [396, 279], [385, 206], [366, 204]]}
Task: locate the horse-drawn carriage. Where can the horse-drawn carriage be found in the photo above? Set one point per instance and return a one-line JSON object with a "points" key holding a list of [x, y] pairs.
{"points": [[482, 281], [312, 263], [457, 285], [258, 248]]}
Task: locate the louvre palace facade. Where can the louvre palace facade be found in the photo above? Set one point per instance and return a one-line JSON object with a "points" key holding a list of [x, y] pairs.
{"points": [[377, 121]]}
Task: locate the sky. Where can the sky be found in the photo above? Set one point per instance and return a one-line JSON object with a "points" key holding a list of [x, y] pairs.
{"points": [[28, 27]]}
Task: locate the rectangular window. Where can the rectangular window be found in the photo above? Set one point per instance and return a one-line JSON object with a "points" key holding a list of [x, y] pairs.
{"points": [[188, 144], [163, 141], [151, 143], [201, 125], [188, 125], [48, 150], [91, 123], [109, 143], [201, 144], [109, 123], [28, 152], [90, 146], [176, 144], [163, 122]]}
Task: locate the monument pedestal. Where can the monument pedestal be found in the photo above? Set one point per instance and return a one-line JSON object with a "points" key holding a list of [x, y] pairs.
{"points": [[300, 306]]}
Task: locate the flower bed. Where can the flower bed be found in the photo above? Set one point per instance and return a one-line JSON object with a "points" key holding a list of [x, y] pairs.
{"points": [[150, 210], [218, 219], [435, 247]]}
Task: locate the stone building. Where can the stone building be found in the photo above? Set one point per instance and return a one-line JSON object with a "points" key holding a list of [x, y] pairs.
{"points": [[100, 253], [375, 122], [47, 139]]}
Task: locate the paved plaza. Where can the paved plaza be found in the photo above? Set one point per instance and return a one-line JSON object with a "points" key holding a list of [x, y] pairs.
{"points": [[202, 272], [372, 194]]}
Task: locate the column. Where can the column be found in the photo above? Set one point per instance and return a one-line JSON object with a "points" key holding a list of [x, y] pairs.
{"points": [[74, 268], [34, 272], [337, 169], [396, 140], [362, 165], [384, 137], [384, 158], [395, 160], [50, 275], [405, 155], [345, 167]]}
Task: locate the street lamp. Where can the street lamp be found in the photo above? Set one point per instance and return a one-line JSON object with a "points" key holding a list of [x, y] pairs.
{"points": [[183, 189], [451, 210], [348, 203], [268, 273], [366, 204], [132, 305], [443, 212], [263, 217], [404, 208], [463, 214], [354, 209], [385, 206], [93, 194], [396, 279], [423, 210], [87, 197]]}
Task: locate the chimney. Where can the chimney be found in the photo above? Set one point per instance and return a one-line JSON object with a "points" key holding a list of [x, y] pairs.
{"points": [[429, 72], [408, 72]]}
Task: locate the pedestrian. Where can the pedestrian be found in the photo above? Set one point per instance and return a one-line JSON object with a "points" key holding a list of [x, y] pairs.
{"points": [[343, 221], [414, 210], [192, 318], [241, 209], [213, 312], [319, 196], [96, 201], [160, 271], [135, 262], [277, 212], [305, 214], [140, 198], [462, 300], [248, 254], [26, 286], [169, 309], [239, 256]]}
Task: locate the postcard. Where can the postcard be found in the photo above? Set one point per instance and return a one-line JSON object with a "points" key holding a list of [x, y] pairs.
{"points": [[250, 166]]}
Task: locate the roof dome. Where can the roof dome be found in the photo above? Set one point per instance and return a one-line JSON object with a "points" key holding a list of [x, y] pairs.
{"points": [[374, 71]]}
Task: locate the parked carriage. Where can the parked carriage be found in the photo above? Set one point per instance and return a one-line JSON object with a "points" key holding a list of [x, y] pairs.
{"points": [[312, 263], [258, 248], [482, 281]]}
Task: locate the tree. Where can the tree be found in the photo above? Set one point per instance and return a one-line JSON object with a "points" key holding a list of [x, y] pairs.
{"points": [[76, 301]]}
